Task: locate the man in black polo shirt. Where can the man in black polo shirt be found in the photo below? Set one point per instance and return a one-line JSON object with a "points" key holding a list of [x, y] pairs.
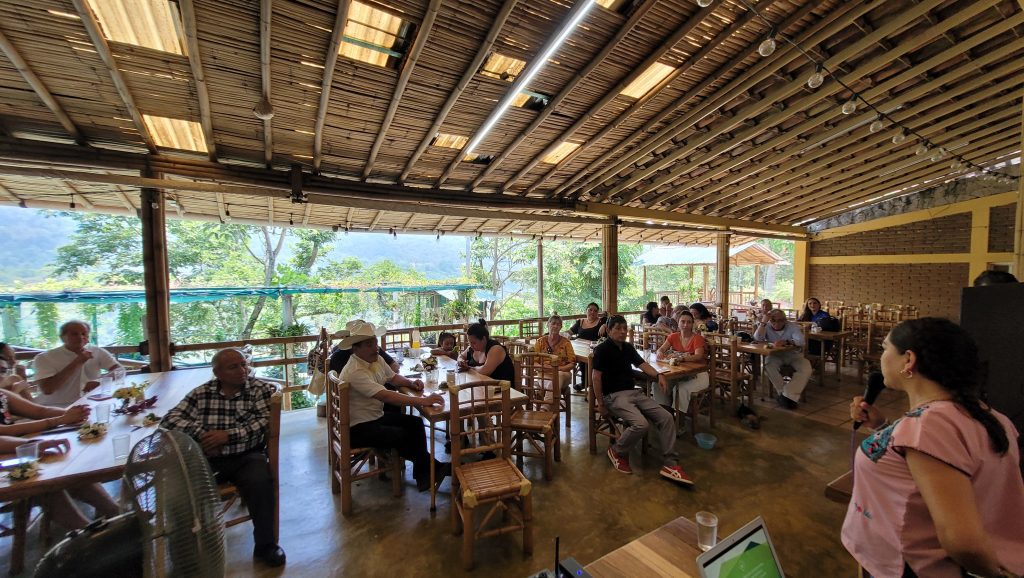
{"points": [[614, 394]]}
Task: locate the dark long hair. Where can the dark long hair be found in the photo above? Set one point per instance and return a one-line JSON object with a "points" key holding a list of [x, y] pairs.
{"points": [[947, 355], [651, 306], [808, 314], [479, 330], [702, 311]]}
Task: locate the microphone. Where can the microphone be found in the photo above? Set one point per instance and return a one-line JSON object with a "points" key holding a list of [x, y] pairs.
{"points": [[876, 383]]}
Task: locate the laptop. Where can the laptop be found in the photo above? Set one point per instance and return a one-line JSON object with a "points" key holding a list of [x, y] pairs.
{"points": [[747, 553]]}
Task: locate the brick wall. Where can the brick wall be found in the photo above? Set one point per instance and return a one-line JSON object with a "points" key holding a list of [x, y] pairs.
{"points": [[950, 234], [1000, 232], [933, 288]]}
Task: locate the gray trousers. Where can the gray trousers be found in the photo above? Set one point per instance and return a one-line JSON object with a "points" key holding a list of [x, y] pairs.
{"points": [[635, 408]]}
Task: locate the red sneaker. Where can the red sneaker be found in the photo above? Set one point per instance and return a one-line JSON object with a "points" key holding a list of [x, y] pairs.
{"points": [[676, 474], [621, 463]]}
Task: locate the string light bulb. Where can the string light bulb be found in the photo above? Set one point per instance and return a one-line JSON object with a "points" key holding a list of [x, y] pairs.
{"points": [[899, 137], [938, 154], [767, 46], [921, 149], [850, 106], [957, 165], [816, 79], [876, 126], [704, 3]]}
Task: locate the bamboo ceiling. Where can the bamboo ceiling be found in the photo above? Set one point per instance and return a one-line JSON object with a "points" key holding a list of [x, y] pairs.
{"points": [[717, 131]]}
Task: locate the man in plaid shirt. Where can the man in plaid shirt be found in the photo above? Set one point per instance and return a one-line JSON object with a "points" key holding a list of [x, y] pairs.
{"points": [[228, 416]]}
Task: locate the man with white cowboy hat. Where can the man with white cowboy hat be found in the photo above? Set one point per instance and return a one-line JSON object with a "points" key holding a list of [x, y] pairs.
{"points": [[339, 356], [366, 374]]}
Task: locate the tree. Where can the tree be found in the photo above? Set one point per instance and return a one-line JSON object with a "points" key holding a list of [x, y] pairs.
{"points": [[508, 267]]}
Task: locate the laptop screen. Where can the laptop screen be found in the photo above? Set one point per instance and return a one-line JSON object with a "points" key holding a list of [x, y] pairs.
{"points": [[743, 555]]}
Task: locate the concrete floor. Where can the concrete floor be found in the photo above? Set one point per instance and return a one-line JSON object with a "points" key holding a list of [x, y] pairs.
{"points": [[778, 472]]}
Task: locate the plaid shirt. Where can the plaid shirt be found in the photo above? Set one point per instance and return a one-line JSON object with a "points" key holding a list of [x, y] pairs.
{"points": [[244, 416]]}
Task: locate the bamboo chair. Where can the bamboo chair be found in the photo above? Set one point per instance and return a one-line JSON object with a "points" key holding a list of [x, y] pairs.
{"points": [[857, 343], [395, 340], [877, 330], [495, 484], [535, 431], [654, 337], [530, 330], [349, 464], [730, 377], [229, 492], [515, 348]]}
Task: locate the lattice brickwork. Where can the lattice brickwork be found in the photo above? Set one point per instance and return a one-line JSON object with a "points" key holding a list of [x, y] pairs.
{"points": [[934, 287]]}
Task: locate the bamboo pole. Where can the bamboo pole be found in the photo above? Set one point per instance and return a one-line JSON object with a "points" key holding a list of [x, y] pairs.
{"points": [[610, 268], [331, 59], [154, 263], [188, 20], [266, 18], [722, 270]]}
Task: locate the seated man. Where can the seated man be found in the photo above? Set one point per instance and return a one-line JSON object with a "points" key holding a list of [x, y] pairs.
{"points": [[339, 358], [228, 416], [366, 374], [65, 373], [781, 332], [614, 394]]}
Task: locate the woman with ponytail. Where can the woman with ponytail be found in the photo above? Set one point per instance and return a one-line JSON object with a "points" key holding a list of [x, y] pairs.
{"points": [[937, 493]]}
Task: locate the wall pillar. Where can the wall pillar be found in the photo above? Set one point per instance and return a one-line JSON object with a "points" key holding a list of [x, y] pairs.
{"points": [[979, 243], [801, 272], [610, 268], [540, 278], [154, 264], [722, 271]]}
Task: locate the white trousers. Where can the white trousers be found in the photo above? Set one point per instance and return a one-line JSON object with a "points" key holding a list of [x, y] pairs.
{"points": [[798, 382]]}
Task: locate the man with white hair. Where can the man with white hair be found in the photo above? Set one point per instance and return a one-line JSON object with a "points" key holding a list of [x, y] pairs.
{"points": [[228, 416], [366, 373], [781, 332], [64, 373]]}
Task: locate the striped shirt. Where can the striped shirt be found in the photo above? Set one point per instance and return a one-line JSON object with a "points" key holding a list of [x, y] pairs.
{"points": [[244, 416]]}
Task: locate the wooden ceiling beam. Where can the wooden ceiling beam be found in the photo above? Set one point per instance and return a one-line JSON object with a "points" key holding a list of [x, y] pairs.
{"points": [[511, 225], [759, 72], [11, 196], [850, 149], [77, 196], [441, 222], [376, 218], [270, 211], [221, 210], [306, 213], [266, 19], [408, 64], [408, 222], [685, 219], [634, 19], [330, 61], [467, 75], [638, 105], [188, 21], [40, 89], [99, 42], [829, 88], [918, 91]]}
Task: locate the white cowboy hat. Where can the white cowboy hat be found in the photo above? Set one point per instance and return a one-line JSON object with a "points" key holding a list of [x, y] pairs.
{"points": [[356, 331]]}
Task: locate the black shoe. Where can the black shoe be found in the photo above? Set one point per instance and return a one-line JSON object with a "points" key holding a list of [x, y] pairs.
{"points": [[488, 456], [786, 403], [441, 471], [271, 555]]}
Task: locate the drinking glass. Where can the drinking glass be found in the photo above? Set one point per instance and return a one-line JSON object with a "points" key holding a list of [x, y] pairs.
{"points": [[119, 373], [707, 530], [28, 452], [122, 447], [449, 377], [105, 384], [102, 413], [399, 356]]}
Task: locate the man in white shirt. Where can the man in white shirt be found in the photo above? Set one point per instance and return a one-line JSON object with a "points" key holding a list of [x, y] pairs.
{"points": [[781, 332], [366, 374], [63, 374]]}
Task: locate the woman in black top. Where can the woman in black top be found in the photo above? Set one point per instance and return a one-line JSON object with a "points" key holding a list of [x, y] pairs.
{"points": [[702, 315], [652, 314], [592, 327], [486, 355]]}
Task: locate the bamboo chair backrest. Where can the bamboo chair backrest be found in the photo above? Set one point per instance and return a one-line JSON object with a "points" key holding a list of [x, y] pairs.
{"points": [[537, 377], [514, 348], [877, 331], [338, 420], [652, 336], [724, 363], [395, 340], [531, 329], [480, 410], [885, 315]]}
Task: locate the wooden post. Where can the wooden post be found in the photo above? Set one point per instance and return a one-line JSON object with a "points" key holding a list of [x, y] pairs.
{"points": [[645, 281], [540, 278], [757, 279], [610, 266], [801, 270], [705, 294], [154, 271], [287, 313], [722, 270]]}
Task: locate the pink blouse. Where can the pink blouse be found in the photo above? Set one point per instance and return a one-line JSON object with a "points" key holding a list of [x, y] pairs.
{"points": [[888, 525]]}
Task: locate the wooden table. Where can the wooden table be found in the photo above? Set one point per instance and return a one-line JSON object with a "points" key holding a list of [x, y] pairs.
{"points": [[831, 337], [670, 551], [93, 461], [439, 414], [840, 489]]}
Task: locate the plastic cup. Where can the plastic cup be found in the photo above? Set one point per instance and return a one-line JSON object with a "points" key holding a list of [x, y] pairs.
{"points": [[102, 413], [28, 452], [449, 377], [119, 373], [122, 446], [106, 382], [707, 530]]}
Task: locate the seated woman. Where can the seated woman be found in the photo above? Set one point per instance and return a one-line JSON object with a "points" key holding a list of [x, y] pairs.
{"points": [[702, 315], [446, 346], [554, 344], [592, 326], [667, 325], [684, 345], [813, 312], [59, 504], [937, 492], [485, 355], [650, 317], [12, 375], [666, 307], [761, 313]]}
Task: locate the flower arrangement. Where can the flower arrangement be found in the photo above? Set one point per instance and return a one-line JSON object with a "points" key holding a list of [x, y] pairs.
{"points": [[91, 431], [700, 328], [151, 419], [24, 471], [128, 393], [429, 363]]}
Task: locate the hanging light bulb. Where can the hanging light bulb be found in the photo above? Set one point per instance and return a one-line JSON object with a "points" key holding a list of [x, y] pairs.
{"points": [[921, 149], [899, 137], [938, 154], [767, 46], [227, 215], [263, 110], [816, 79], [704, 3], [957, 165], [876, 126], [849, 106]]}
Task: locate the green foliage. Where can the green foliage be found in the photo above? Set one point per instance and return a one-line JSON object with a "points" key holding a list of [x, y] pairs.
{"points": [[130, 321], [46, 320], [302, 400], [294, 330]]}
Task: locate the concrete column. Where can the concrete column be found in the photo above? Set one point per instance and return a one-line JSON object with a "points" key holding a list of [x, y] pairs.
{"points": [[610, 268], [801, 271], [154, 263], [722, 270]]}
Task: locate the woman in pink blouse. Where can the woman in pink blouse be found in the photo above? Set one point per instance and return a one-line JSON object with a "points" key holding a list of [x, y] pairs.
{"points": [[937, 493]]}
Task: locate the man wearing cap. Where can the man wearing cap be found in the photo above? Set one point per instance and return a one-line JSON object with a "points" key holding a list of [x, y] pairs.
{"points": [[366, 374]]}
